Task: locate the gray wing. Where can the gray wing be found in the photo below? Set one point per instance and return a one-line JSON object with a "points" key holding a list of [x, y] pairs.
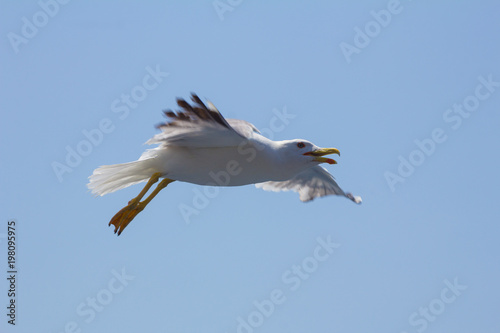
{"points": [[313, 183], [243, 128], [198, 125]]}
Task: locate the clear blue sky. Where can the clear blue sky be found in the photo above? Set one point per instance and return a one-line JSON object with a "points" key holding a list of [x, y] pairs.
{"points": [[408, 91]]}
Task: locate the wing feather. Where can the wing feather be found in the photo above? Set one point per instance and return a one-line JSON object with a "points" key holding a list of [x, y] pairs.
{"points": [[313, 183], [197, 125]]}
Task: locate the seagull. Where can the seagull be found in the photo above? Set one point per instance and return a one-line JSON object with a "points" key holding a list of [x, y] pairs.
{"points": [[198, 145]]}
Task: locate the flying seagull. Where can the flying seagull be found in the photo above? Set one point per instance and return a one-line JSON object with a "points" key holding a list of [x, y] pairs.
{"points": [[198, 145]]}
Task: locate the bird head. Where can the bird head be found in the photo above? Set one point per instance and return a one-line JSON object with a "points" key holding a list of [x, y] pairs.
{"points": [[307, 152]]}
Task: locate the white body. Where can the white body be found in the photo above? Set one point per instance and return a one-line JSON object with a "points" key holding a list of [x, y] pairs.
{"points": [[249, 163]]}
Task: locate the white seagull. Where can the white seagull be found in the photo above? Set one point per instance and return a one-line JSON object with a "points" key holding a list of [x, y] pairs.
{"points": [[198, 145]]}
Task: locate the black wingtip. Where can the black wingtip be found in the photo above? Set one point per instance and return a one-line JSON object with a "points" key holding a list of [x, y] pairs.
{"points": [[189, 112], [197, 100]]}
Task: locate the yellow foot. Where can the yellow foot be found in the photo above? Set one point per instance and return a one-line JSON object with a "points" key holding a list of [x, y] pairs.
{"points": [[122, 219]]}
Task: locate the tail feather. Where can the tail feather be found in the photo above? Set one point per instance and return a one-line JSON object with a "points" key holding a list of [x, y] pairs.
{"points": [[109, 178]]}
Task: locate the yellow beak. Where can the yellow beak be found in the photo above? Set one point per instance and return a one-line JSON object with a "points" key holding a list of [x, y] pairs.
{"points": [[318, 153]]}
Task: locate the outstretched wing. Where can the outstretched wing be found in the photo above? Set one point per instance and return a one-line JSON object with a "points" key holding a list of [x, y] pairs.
{"points": [[312, 183], [197, 125]]}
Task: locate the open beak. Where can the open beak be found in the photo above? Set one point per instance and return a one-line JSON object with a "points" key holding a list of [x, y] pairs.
{"points": [[319, 153]]}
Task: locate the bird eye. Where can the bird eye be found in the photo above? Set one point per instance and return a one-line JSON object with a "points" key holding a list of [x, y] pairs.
{"points": [[301, 145]]}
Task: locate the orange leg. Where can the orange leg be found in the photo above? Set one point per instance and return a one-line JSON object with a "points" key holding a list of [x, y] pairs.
{"points": [[135, 206]]}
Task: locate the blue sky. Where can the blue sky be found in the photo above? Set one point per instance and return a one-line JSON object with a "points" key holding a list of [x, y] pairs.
{"points": [[408, 91]]}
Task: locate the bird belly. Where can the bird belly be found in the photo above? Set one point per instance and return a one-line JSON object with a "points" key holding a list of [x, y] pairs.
{"points": [[223, 166]]}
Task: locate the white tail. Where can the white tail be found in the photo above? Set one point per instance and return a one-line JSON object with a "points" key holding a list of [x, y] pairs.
{"points": [[109, 178]]}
